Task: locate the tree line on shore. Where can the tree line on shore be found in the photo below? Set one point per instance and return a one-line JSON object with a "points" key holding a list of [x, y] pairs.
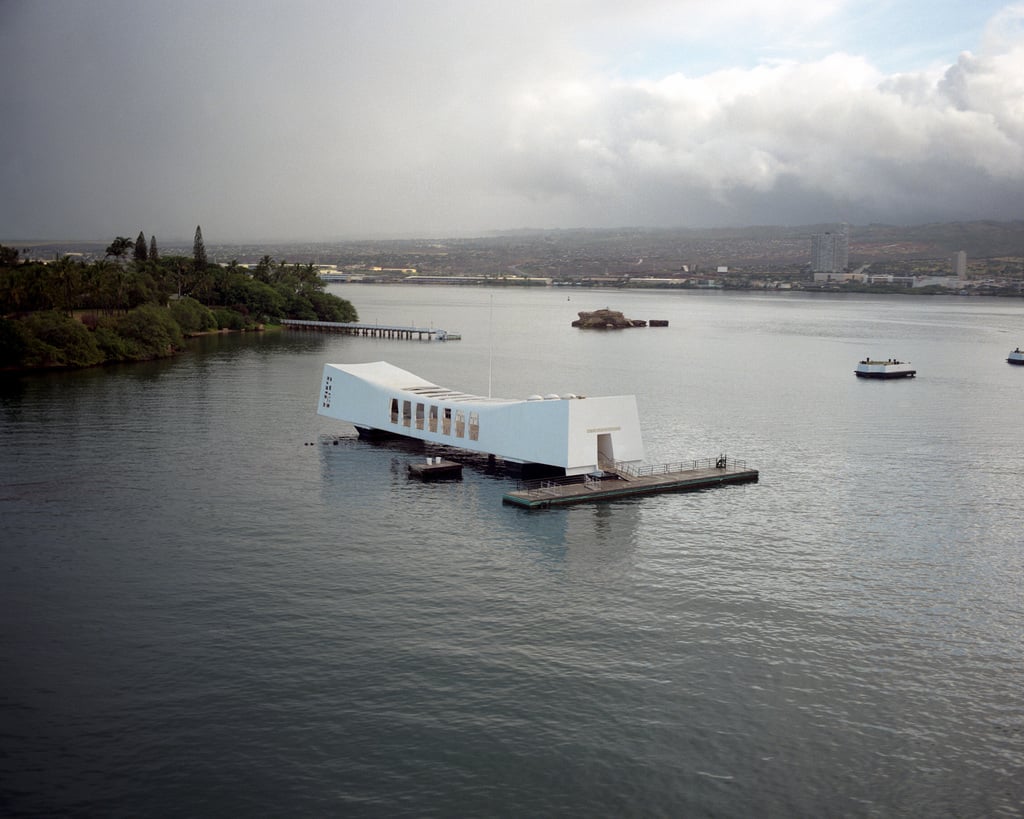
{"points": [[69, 313]]}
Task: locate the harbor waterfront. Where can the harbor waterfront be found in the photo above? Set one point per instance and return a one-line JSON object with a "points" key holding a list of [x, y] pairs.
{"points": [[217, 601]]}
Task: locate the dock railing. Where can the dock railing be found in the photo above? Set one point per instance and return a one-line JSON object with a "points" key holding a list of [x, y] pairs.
{"points": [[721, 462], [632, 471], [548, 483]]}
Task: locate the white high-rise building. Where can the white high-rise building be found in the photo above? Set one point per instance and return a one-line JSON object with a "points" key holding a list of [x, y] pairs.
{"points": [[960, 264], [830, 252]]}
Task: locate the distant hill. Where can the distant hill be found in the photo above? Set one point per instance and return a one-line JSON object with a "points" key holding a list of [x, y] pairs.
{"points": [[977, 239], [983, 238]]}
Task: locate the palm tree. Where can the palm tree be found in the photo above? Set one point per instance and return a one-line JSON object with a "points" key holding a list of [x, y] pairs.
{"points": [[119, 247], [67, 282], [264, 271], [107, 285]]}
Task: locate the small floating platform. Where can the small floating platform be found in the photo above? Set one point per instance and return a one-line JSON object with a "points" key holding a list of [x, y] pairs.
{"points": [[435, 469], [631, 482], [1016, 357]]}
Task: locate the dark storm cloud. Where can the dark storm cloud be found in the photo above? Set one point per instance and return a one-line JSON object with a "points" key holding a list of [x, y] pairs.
{"points": [[320, 120]]}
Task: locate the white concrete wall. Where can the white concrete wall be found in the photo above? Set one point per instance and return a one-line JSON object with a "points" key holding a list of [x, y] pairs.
{"points": [[559, 432]]}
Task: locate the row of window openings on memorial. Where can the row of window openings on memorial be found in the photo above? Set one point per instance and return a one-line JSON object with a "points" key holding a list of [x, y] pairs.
{"points": [[430, 419], [327, 394]]}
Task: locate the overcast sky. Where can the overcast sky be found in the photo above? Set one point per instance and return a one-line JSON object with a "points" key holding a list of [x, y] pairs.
{"points": [[327, 119]]}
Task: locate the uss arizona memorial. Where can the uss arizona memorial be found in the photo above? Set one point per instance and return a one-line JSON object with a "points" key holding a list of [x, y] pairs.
{"points": [[576, 434]]}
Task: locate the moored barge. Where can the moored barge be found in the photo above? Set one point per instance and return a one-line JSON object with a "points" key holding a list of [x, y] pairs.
{"points": [[891, 368]]}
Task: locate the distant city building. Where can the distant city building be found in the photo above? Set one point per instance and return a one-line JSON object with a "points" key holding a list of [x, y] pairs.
{"points": [[888, 278], [960, 264], [949, 282], [830, 252]]}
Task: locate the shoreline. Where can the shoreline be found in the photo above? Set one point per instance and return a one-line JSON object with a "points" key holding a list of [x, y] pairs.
{"points": [[59, 368], [784, 288]]}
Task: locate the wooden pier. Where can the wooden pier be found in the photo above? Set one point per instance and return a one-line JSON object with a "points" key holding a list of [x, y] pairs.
{"points": [[354, 328], [626, 482]]}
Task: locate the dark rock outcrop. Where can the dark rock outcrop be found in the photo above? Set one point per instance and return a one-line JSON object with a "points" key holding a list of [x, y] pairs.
{"points": [[605, 320]]}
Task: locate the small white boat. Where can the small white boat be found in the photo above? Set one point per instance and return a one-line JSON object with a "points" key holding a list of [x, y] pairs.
{"points": [[1016, 357], [891, 368]]}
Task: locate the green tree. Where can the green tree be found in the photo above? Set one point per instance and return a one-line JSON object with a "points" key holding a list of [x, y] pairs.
{"points": [[59, 341], [153, 253], [150, 332], [13, 343], [229, 319], [8, 256], [175, 275], [329, 307], [192, 316], [31, 287], [141, 252], [111, 343], [254, 298], [199, 251], [143, 288], [13, 289]]}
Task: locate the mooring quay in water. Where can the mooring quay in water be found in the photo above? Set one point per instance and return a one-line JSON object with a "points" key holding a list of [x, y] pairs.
{"points": [[354, 328], [626, 481]]}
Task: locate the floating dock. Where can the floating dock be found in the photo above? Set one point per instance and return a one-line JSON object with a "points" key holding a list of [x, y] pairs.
{"points": [[355, 328], [628, 481], [435, 469]]}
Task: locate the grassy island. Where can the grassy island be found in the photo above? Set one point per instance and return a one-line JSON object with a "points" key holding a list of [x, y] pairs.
{"points": [[68, 313]]}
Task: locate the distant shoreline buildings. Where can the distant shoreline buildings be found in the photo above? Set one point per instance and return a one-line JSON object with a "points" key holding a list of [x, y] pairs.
{"points": [[918, 258], [830, 259]]}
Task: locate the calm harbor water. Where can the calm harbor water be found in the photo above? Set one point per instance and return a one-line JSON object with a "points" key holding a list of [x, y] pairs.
{"points": [[213, 601]]}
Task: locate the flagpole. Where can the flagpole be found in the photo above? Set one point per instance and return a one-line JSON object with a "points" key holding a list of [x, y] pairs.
{"points": [[490, 345]]}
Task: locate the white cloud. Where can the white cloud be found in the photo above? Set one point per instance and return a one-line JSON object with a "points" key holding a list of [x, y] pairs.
{"points": [[835, 126]]}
